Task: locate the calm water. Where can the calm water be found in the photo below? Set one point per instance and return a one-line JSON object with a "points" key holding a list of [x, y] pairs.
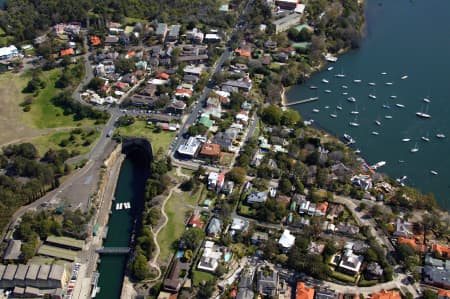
{"points": [[130, 188], [403, 38]]}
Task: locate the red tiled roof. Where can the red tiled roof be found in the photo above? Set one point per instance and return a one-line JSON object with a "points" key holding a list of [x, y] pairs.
{"points": [[412, 243], [304, 292], [67, 52], [442, 250], [242, 52], [163, 76], [195, 221], [210, 149], [386, 295], [95, 40]]}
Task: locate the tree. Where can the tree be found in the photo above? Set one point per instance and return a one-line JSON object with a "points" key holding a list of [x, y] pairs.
{"points": [[187, 185], [236, 174], [192, 238], [206, 290], [429, 294], [285, 186], [139, 267], [96, 83], [290, 117], [272, 115], [404, 250], [371, 256], [188, 254]]}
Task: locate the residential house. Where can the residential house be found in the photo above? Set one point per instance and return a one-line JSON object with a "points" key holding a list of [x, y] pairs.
{"points": [[246, 285], [190, 148], [213, 178], [194, 59], [383, 294], [174, 33], [363, 181], [244, 85], [325, 294], [286, 22], [66, 52], [210, 258], [439, 277], [176, 107], [210, 152], [403, 228], [441, 250], [256, 197], [13, 251], [193, 70], [267, 281], [286, 4], [111, 40], [335, 211], [286, 241], [195, 35], [316, 248], [228, 187], [172, 283], [192, 79], [347, 228], [415, 244], [442, 294], [161, 30], [239, 225], [214, 227], [303, 292], [196, 221], [374, 270], [350, 263], [259, 237], [212, 38]]}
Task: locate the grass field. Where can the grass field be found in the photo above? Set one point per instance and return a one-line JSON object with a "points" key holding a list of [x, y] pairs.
{"points": [[140, 128], [200, 276], [44, 114], [177, 207], [79, 143]]}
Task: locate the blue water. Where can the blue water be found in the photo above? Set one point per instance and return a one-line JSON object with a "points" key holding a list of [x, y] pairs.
{"points": [[403, 38], [227, 257]]}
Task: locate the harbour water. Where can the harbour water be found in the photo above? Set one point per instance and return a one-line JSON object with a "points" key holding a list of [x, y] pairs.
{"points": [[403, 38], [130, 188]]}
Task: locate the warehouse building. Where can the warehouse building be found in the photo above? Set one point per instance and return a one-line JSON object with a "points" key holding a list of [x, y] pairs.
{"points": [[33, 275]]}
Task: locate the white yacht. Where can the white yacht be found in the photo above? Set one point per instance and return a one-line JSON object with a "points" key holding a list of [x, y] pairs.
{"points": [[425, 138], [393, 97], [345, 93], [384, 73], [433, 172], [354, 123], [400, 105], [372, 96], [344, 86], [330, 68], [339, 107], [388, 116], [440, 136], [351, 99], [375, 133], [333, 115], [426, 100], [325, 80], [423, 114], [389, 83], [378, 123], [372, 83], [406, 139], [357, 81], [349, 138], [313, 87], [315, 110], [415, 149], [386, 106], [327, 91], [326, 107], [404, 77]]}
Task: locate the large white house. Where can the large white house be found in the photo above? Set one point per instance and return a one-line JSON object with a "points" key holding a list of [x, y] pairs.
{"points": [[8, 52]]}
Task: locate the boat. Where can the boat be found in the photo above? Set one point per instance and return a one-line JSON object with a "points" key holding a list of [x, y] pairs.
{"points": [[375, 133], [415, 149], [326, 107], [330, 58], [401, 161], [372, 96], [340, 75], [403, 178], [357, 151], [354, 112], [354, 123], [315, 110], [344, 86], [426, 100], [423, 114], [378, 123], [389, 83], [345, 93], [325, 81], [388, 116], [384, 73], [330, 68], [393, 97], [425, 138], [351, 99], [433, 172], [406, 139], [372, 83], [400, 105], [327, 91], [313, 87], [404, 77], [333, 115], [349, 139], [440, 135], [338, 107], [378, 165], [357, 81], [386, 106]]}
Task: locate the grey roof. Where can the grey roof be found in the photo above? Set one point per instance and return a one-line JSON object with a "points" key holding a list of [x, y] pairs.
{"points": [[161, 29], [267, 284], [44, 270], [2, 270], [10, 271], [21, 272], [347, 228], [375, 269], [32, 291], [245, 294], [192, 58], [32, 273], [239, 84], [174, 31], [13, 252], [257, 197], [57, 272], [325, 294], [215, 226], [435, 275]]}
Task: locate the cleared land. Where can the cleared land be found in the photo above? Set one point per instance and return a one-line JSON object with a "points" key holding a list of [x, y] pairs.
{"points": [[140, 128], [177, 208]]}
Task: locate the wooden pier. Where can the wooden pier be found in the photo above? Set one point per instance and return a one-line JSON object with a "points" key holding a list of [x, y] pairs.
{"points": [[302, 101]]}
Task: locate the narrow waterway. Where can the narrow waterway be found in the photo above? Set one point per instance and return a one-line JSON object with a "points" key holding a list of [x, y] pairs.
{"points": [[406, 45], [130, 188]]}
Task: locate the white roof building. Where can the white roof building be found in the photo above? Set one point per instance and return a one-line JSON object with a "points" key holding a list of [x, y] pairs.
{"points": [[351, 262], [9, 52], [210, 257], [286, 240], [189, 148], [193, 70]]}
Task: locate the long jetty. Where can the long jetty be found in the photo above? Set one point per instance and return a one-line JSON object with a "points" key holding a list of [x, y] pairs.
{"points": [[302, 101]]}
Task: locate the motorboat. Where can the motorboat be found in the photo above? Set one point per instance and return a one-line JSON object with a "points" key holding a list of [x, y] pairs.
{"points": [[404, 77], [344, 86], [389, 83], [345, 93], [354, 112], [354, 123], [327, 91], [349, 138], [424, 138], [378, 123], [372, 96], [357, 81], [325, 81], [375, 133], [357, 151], [372, 83], [440, 135], [393, 97], [330, 68], [384, 73], [333, 115], [388, 116], [426, 100], [351, 99], [315, 110], [313, 87], [406, 139], [415, 149], [423, 115], [338, 107], [400, 105], [386, 106], [378, 165], [326, 107], [433, 172]]}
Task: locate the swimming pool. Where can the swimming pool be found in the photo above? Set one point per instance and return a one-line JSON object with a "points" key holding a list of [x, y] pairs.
{"points": [[227, 257]]}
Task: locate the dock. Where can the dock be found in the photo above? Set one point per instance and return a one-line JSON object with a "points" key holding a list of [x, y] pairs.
{"points": [[313, 99]]}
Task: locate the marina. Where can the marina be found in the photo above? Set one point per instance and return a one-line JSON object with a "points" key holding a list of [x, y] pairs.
{"points": [[411, 95]]}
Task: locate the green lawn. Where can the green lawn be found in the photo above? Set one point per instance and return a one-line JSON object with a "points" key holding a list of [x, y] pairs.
{"points": [[79, 143], [199, 276], [245, 210], [43, 113], [140, 128]]}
